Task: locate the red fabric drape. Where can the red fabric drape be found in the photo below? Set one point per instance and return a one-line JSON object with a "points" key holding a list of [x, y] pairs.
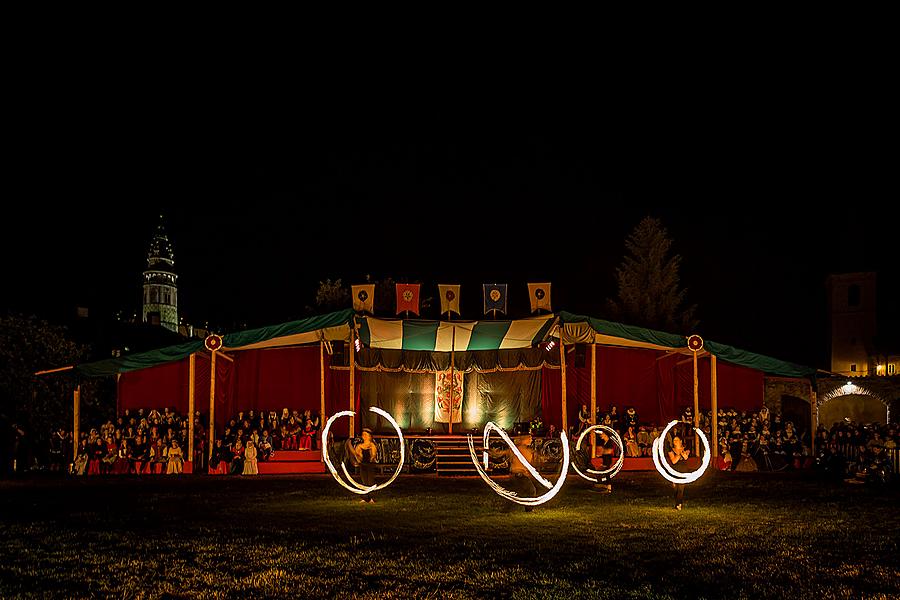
{"points": [[337, 396], [267, 380], [739, 387], [628, 377], [156, 387], [551, 398]]}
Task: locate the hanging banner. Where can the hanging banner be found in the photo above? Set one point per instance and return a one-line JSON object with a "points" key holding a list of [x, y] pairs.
{"points": [[449, 298], [364, 298], [494, 297], [444, 389], [539, 294], [408, 298]]}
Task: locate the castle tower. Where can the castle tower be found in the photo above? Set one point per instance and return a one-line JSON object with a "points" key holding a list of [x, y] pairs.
{"points": [[160, 288], [851, 307]]}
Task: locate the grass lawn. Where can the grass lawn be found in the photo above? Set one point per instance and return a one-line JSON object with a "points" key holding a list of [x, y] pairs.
{"points": [[739, 536]]}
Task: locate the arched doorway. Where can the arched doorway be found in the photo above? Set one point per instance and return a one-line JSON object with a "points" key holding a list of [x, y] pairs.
{"points": [[856, 407], [797, 411], [853, 402]]}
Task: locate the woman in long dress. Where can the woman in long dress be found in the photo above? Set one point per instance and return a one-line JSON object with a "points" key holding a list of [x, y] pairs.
{"points": [[175, 459], [250, 464]]}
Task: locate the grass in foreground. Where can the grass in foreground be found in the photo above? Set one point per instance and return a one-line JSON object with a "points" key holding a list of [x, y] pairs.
{"points": [[740, 535]]}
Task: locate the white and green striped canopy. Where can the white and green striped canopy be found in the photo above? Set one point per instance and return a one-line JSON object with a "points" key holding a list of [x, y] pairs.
{"points": [[444, 336]]}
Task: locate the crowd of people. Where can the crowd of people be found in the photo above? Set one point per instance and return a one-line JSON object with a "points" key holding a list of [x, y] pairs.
{"points": [[155, 441], [250, 437], [757, 440]]}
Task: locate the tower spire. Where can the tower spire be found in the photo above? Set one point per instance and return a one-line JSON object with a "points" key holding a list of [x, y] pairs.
{"points": [[160, 305]]}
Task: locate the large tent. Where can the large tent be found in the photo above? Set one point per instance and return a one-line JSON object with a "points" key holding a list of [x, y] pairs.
{"points": [[511, 371]]}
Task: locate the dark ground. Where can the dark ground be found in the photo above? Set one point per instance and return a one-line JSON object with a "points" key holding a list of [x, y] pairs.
{"points": [[739, 536]]}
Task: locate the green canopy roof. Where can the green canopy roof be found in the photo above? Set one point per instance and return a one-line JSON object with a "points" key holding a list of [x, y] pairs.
{"points": [[331, 326], [441, 336], [582, 329]]}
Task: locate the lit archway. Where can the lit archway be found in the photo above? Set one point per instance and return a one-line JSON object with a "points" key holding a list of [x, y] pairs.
{"points": [[860, 414]]}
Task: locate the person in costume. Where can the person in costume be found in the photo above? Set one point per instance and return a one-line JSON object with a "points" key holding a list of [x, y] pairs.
{"points": [[366, 456], [678, 456]]}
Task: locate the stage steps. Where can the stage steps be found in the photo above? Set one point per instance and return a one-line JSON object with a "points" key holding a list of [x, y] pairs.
{"points": [[453, 458]]}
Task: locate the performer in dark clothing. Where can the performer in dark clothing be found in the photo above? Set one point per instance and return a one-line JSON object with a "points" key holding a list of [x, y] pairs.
{"points": [[606, 448], [677, 456], [366, 454]]}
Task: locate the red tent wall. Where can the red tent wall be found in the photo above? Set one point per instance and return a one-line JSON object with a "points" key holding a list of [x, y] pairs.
{"points": [[628, 377], [740, 388], [551, 398], [337, 396], [275, 379], [167, 386], [156, 387]]}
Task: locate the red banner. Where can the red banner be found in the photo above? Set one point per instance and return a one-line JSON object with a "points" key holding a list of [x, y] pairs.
{"points": [[408, 298]]}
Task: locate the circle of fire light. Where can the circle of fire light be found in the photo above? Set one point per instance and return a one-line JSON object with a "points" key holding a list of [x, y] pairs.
{"points": [[607, 474], [553, 489], [662, 465], [354, 486]]}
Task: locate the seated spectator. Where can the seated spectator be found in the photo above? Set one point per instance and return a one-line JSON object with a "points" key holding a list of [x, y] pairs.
{"points": [[631, 446], [81, 459], [237, 457], [266, 448], [175, 459], [643, 441], [139, 455], [305, 436]]}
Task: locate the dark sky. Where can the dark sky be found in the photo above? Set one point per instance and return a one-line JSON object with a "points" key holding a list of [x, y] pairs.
{"points": [[760, 211]]}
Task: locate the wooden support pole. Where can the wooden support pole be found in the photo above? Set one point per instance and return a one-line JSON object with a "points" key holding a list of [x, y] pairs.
{"points": [[212, 404], [813, 419], [593, 398], [696, 406], [352, 382], [562, 367], [322, 391], [714, 400], [76, 418], [191, 376]]}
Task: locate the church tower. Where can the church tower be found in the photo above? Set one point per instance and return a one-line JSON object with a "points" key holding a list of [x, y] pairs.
{"points": [[851, 302], [160, 289]]}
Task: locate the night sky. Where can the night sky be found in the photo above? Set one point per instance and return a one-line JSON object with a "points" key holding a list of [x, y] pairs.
{"points": [[760, 220]]}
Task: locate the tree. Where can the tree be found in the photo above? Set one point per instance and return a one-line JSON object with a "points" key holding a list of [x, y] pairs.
{"points": [[38, 405], [332, 296], [649, 294]]}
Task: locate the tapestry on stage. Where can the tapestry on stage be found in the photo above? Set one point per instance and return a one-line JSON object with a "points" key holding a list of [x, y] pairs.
{"points": [[446, 388]]}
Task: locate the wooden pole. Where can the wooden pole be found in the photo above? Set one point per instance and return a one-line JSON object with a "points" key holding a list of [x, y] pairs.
{"points": [[696, 406], [191, 374], [714, 400], [212, 404], [76, 417], [813, 419], [452, 381], [352, 383], [322, 390], [593, 398], [562, 367]]}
